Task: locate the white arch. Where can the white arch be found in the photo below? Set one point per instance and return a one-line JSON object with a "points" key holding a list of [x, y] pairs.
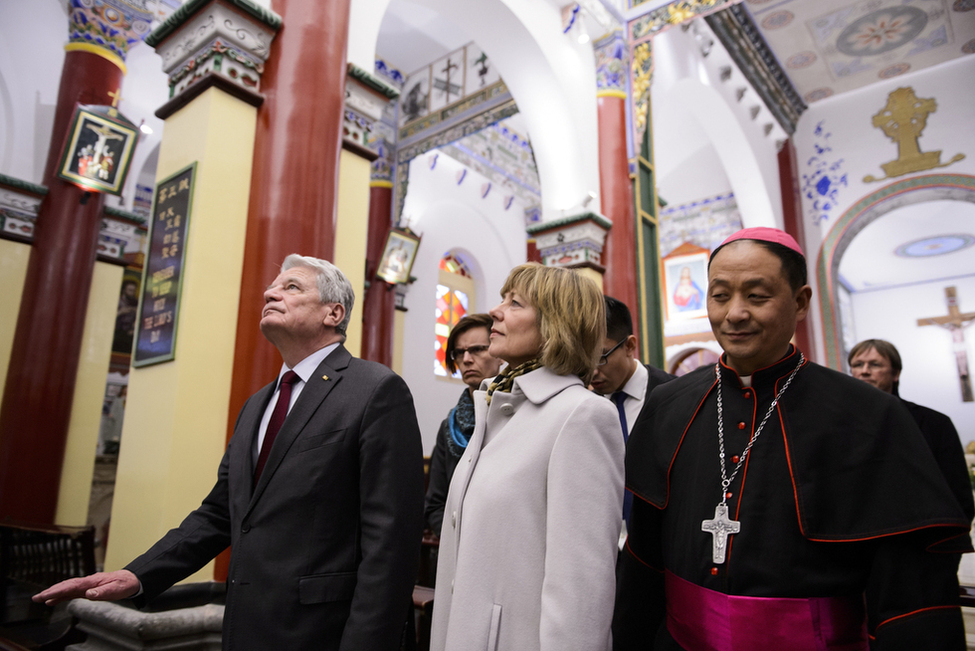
{"points": [[712, 113], [551, 76]]}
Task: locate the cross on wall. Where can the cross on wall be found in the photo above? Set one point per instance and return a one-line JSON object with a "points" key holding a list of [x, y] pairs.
{"points": [[955, 322]]}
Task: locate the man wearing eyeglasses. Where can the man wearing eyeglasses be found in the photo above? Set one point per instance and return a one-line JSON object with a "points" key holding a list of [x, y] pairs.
{"points": [[625, 380], [878, 362], [466, 353]]}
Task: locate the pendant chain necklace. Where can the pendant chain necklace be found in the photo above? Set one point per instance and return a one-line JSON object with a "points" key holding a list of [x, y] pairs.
{"points": [[722, 526]]}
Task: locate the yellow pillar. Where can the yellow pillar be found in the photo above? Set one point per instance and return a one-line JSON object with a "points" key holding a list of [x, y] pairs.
{"points": [[351, 229], [89, 394], [176, 415], [13, 270]]}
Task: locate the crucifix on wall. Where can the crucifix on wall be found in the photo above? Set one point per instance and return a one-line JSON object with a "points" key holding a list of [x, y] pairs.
{"points": [[956, 322], [443, 84]]}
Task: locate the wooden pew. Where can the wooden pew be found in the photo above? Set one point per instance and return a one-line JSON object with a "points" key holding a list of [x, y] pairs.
{"points": [[31, 558]]}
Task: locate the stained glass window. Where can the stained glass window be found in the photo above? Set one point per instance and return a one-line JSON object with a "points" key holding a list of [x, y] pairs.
{"points": [[451, 307], [452, 264]]}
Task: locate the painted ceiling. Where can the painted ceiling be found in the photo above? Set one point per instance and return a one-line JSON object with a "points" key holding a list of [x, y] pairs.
{"points": [[828, 47]]}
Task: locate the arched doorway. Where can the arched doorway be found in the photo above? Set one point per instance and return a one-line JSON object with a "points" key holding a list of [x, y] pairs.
{"points": [[917, 190]]}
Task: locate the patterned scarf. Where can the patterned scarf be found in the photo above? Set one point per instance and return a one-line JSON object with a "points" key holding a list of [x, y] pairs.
{"points": [[504, 382], [460, 422]]}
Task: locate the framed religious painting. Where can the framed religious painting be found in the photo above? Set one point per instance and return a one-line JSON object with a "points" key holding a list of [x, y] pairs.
{"points": [[685, 274], [398, 256], [98, 150]]}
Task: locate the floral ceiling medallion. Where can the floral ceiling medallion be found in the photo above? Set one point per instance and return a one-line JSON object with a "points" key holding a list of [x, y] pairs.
{"points": [[881, 31]]}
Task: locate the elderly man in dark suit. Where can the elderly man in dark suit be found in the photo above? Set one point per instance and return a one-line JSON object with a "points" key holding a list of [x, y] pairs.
{"points": [[626, 381], [320, 492]]}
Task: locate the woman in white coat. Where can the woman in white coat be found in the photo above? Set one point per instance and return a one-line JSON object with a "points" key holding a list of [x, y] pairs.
{"points": [[531, 526]]}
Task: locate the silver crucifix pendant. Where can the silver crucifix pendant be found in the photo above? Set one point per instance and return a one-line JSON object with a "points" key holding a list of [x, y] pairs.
{"points": [[720, 528]]}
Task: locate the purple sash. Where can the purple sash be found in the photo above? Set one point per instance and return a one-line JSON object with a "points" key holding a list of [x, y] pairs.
{"points": [[706, 620]]}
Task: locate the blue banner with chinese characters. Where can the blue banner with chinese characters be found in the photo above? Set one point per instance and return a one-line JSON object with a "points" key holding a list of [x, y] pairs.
{"points": [[161, 285]]}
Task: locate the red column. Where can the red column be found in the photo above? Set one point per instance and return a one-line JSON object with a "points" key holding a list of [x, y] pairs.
{"points": [[379, 302], [40, 385], [619, 252], [294, 182], [792, 220], [294, 179]]}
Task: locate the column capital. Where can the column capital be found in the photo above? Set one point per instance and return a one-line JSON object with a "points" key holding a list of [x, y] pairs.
{"points": [[368, 120], [225, 38], [19, 204], [573, 241], [107, 28], [612, 57]]}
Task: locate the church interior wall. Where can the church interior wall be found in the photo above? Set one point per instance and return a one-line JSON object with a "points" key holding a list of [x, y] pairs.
{"points": [[930, 375], [836, 140], [551, 76], [32, 36], [31, 58], [842, 126], [695, 105], [13, 271], [175, 426], [145, 88], [451, 216], [698, 176], [352, 221], [89, 393]]}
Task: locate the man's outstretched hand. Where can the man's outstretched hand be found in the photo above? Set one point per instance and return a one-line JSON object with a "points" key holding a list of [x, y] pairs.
{"points": [[103, 586]]}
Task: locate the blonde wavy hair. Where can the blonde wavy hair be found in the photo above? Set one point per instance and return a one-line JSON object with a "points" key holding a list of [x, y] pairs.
{"points": [[571, 316]]}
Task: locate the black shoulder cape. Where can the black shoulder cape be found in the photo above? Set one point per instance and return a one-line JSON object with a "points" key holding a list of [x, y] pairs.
{"points": [[859, 467]]}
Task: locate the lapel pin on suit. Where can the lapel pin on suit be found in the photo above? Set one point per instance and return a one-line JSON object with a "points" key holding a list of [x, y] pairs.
{"points": [[325, 377]]}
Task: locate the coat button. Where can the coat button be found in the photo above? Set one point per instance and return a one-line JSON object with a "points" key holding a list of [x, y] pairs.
{"points": [[507, 410], [453, 519], [451, 586], [245, 527]]}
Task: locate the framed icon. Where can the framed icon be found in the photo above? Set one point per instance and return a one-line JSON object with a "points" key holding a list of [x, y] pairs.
{"points": [[99, 149], [685, 273], [398, 256]]}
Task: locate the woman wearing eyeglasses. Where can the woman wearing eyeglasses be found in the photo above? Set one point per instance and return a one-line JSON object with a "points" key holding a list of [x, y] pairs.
{"points": [[529, 544], [467, 352]]}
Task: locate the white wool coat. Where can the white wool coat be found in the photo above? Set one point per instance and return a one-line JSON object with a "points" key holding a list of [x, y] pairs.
{"points": [[532, 521]]}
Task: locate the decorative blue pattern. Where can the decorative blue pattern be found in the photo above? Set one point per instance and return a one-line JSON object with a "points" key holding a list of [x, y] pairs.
{"points": [[822, 184], [389, 72]]}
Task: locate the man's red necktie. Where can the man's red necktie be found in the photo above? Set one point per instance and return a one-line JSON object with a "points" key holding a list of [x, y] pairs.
{"points": [[277, 419]]}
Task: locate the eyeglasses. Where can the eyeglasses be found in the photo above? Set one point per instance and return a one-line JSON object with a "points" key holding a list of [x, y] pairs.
{"points": [[605, 356], [873, 366], [457, 354]]}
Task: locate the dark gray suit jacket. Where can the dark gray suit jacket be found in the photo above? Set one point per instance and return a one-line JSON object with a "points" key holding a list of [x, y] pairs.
{"points": [[325, 548], [657, 377]]}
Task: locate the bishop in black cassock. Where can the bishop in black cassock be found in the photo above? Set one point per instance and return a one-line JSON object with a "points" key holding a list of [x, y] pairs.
{"points": [[838, 496]]}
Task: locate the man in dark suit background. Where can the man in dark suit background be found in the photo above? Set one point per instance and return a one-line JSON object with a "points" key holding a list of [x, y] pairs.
{"points": [[325, 524], [878, 362], [626, 381]]}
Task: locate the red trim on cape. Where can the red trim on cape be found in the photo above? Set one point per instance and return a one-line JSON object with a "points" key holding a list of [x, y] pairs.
{"points": [[677, 449], [913, 612]]}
